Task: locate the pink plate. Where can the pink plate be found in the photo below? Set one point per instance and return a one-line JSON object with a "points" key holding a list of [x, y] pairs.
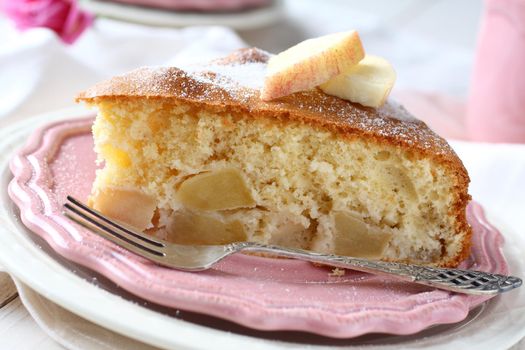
{"points": [[261, 293]]}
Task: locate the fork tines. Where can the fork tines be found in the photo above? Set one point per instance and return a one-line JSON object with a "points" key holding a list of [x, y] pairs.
{"points": [[116, 232]]}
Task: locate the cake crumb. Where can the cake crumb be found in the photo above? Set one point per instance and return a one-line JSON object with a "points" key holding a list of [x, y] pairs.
{"points": [[337, 272]]}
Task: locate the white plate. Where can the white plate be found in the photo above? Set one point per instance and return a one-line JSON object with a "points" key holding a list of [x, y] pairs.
{"points": [[70, 330], [243, 20], [497, 325]]}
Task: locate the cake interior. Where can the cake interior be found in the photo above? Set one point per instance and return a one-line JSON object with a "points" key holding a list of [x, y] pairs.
{"points": [[207, 175]]}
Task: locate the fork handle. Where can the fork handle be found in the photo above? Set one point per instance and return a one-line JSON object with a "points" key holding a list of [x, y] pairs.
{"points": [[456, 280]]}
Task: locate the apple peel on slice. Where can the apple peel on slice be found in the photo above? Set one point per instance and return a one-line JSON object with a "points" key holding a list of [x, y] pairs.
{"points": [[368, 83], [311, 63]]}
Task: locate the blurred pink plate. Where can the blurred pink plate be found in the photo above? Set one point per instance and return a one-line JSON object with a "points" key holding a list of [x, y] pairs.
{"points": [[256, 292]]}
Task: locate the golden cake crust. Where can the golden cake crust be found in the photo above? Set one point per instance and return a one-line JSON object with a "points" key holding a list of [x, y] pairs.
{"points": [[221, 90]]}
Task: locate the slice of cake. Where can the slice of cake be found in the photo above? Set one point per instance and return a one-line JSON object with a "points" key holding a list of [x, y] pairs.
{"points": [[194, 155]]}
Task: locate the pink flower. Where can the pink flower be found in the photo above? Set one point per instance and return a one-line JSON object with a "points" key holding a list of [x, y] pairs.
{"points": [[64, 17]]}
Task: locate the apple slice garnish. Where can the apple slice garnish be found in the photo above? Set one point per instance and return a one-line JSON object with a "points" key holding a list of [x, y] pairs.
{"points": [[368, 83], [311, 63]]}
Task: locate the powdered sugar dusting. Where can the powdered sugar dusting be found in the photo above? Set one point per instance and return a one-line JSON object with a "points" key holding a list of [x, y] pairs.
{"points": [[236, 77], [393, 109], [249, 75], [236, 81]]}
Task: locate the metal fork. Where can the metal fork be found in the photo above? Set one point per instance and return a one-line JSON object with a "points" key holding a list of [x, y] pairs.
{"points": [[203, 257]]}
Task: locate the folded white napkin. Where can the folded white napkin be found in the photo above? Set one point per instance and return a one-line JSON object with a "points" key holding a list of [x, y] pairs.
{"points": [[38, 73]]}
